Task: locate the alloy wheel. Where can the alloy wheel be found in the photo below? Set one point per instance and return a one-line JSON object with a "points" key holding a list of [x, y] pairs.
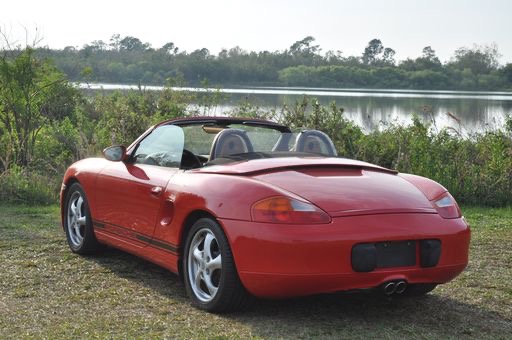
{"points": [[76, 219], [204, 265]]}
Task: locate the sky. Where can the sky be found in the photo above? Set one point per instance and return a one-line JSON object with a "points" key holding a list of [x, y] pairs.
{"points": [[256, 25]]}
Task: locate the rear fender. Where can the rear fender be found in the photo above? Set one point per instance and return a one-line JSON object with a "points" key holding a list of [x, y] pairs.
{"points": [[219, 196], [428, 187]]}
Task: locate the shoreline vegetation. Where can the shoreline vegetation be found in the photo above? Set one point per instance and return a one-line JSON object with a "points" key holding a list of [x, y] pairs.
{"points": [[47, 123]]}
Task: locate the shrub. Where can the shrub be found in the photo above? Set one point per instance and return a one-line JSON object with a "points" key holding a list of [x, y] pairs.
{"points": [[21, 185]]}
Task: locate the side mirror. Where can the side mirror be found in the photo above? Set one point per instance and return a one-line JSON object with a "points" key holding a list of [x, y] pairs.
{"points": [[116, 153]]}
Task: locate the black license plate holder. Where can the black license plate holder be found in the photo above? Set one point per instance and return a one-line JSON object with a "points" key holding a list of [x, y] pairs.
{"points": [[395, 254]]}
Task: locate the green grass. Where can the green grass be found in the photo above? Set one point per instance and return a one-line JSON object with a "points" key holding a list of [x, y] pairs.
{"points": [[46, 291]]}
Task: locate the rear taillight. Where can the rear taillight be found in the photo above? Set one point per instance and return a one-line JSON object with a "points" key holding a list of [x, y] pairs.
{"points": [[446, 206], [287, 210]]}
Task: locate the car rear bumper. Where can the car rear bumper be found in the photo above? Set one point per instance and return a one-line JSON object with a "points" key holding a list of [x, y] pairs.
{"points": [[292, 260], [271, 285]]}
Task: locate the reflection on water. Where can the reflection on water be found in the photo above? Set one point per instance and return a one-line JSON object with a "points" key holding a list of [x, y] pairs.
{"points": [[370, 111], [476, 111]]}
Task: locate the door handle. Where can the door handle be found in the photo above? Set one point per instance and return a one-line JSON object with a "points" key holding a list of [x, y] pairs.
{"points": [[156, 190]]}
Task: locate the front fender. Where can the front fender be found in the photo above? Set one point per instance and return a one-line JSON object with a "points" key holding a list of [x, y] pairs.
{"points": [[85, 172]]}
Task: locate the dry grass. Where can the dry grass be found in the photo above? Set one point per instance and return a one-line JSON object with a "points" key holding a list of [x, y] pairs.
{"points": [[46, 291]]}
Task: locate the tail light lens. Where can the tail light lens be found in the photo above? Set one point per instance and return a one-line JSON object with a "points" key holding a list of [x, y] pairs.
{"points": [[447, 207], [288, 211]]}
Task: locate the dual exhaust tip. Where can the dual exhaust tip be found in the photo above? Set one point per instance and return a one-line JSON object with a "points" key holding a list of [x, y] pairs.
{"points": [[394, 287]]}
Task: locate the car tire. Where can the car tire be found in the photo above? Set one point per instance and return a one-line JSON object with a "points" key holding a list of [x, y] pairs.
{"points": [[78, 222], [419, 289], [210, 275]]}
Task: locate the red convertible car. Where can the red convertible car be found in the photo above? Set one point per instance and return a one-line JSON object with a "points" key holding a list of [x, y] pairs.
{"points": [[242, 207]]}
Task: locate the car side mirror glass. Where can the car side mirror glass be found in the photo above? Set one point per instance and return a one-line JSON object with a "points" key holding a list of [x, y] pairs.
{"points": [[115, 153]]}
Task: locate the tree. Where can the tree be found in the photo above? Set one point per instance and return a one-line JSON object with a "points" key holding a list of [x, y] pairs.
{"points": [[236, 51], [389, 56], [115, 42], [97, 45], [202, 53], [506, 72], [170, 48], [371, 52], [305, 47], [69, 49], [334, 57], [429, 54], [87, 74], [32, 93], [223, 54], [427, 61], [479, 59], [133, 44]]}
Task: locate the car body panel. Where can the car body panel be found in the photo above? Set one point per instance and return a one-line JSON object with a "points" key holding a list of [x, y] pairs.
{"points": [[130, 196]]}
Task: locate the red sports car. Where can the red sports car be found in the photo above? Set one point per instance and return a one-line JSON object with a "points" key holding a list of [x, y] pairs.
{"points": [[242, 207]]}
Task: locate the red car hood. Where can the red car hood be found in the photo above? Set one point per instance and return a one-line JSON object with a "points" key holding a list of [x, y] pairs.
{"points": [[339, 186]]}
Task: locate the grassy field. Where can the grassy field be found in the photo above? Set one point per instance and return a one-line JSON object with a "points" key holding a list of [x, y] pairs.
{"points": [[46, 291]]}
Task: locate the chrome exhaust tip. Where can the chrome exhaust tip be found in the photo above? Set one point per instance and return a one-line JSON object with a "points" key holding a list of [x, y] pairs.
{"points": [[389, 288], [400, 287]]}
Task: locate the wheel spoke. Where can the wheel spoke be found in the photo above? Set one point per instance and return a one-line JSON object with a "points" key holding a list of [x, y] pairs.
{"points": [[215, 263], [72, 207], [198, 255], [79, 206], [197, 279], [207, 245], [78, 233], [211, 288]]}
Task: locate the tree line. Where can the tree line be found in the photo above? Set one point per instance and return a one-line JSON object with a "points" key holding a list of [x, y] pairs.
{"points": [[128, 60]]}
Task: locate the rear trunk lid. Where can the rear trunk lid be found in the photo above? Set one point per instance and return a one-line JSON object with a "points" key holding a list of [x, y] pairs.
{"points": [[341, 187], [351, 191]]}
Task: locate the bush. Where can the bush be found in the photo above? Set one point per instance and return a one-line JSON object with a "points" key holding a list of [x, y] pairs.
{"points": [[476, 169], [21, 185]]}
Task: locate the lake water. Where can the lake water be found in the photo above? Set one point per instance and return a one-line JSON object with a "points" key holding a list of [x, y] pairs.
{"points": [[371, 109]]}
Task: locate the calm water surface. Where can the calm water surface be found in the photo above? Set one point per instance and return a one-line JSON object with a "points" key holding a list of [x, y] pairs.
{"points": [[371, 109]]}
